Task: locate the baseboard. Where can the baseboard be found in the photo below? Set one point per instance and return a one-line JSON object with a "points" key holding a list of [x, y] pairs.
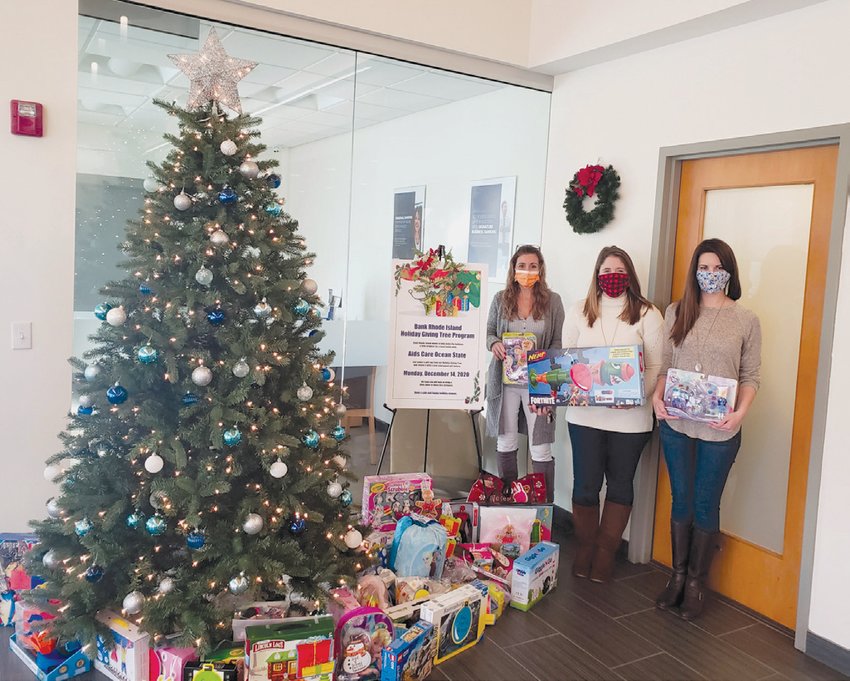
{"points": [[831, 654]]}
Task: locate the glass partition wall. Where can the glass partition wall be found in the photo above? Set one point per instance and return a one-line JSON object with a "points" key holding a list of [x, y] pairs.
{"points": [[377, 157]]}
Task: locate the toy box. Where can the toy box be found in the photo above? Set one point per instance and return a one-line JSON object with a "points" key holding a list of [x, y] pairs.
{"points": [[411, 656], [76, 664], [360, 637], [508, 528], [605, 376], [515, 365], [295, 650], [258, 614], [407, 614], [128, 659], [388, 498], [534, 575], [166, 664], [698, 397], [230, 652], [212, 671], [459, 618], [468, 514]]}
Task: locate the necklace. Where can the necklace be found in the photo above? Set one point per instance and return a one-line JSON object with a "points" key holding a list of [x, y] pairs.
{"points": [[613, 336], [701, 345]]}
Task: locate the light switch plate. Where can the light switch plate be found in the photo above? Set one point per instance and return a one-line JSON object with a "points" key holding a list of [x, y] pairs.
{"points": [[21, 335]]}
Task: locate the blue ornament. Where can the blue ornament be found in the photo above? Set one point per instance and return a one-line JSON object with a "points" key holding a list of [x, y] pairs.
{"points": [[117, 394], [101, 310], [145, 290], [338, 433], [232, 437], [274, 209], [273, 180], [216, 317], [85, 411], [327, 374], [189, 399], [346, 498], [147, 354], [83, 527], [311, 439], [155, 525], [196, 539], [227, 195], [94, 574], [297, 526], [302, 307], [134, 520]]}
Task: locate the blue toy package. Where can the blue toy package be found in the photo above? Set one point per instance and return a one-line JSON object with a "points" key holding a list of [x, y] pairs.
{"points": [[697, 397], [419, 548], [534, 574], [411, 656]]}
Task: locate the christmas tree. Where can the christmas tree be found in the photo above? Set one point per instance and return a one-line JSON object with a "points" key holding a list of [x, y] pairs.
{"points": [[206, 463]]}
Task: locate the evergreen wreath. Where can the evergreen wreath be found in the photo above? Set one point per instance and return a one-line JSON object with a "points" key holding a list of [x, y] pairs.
{"points": [[590, 180]]}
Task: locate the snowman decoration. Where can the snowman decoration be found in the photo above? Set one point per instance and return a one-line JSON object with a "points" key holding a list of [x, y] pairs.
{"points": [[356, 660]]}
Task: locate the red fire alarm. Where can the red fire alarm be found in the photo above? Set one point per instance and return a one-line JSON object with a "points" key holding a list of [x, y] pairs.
{"points": [[27, 118]]}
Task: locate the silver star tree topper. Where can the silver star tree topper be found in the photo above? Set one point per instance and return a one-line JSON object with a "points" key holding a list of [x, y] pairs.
{"points": [[213, 74]]}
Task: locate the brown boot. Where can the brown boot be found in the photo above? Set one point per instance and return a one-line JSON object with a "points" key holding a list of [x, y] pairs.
{"points": [[680, 537], [703, 545], [614, 519], [586, 523]]}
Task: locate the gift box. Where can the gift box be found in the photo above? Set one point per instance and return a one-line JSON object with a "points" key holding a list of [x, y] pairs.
{"points": [[212, 671], [228, 653], [128, 659], [459, 618], [604, 376], [491, 490], [388, 498], [515, 365], [75, 664], [299, 649], [534, 575], [166, 664], [411, 656], [698, 397], [508, 528], [260, 613]]}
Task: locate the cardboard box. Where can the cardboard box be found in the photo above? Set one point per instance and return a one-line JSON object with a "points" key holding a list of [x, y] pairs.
{"points": [[75, 665], [411, 656], [388, 498], [206, 670], [265, 613], [517, 347], [698, 397], [166, 664], [459, 618], [129, 658], [604, 376], [535, 574], [295, 650]]}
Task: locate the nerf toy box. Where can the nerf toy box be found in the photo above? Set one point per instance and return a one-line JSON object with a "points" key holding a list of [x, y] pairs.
{"points": [[411, 656], [697, 397], [301, 649], [535, 574], [388, 498], [515, 364], [128, 659], [607, 376]]}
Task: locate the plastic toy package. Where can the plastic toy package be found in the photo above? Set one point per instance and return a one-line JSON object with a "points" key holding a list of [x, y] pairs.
{"points": [[697, 397]]}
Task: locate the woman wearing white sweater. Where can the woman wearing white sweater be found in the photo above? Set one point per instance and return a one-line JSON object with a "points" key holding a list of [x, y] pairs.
{"points": [[607, 442]]}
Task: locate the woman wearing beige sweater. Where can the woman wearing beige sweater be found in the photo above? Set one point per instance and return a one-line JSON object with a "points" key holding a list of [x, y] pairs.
{"points": [[607, 442]]}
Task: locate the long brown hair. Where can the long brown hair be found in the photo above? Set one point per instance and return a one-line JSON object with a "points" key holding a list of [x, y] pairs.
{"points": [[687, 311], [636, 305], [540, 292]]}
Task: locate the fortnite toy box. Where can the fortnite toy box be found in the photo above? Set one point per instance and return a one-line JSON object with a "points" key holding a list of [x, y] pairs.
{"points": [[388, 498], [697, 397], [535, 574], [606, 376], [127, 656]]}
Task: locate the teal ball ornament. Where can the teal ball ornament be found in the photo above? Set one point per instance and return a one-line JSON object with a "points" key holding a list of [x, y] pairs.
{"points": [[346, 498], [274, 209], [155, 525], [134, 520], [311, 439], [83, 527], [338, 433], [100, 311], [232, 437], [301, 308], [145, 290], [147, 354]]}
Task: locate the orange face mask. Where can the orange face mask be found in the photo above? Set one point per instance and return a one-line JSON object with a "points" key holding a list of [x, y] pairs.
{"points": [[526, 279]]}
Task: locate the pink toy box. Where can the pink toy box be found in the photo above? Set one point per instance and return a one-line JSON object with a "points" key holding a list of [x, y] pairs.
{"points": [[389, 498], [166, 664]]}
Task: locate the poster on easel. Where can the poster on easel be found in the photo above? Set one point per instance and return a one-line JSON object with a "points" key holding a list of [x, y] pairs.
{"points": [[491, 224], [408, 221], [438, 326]]}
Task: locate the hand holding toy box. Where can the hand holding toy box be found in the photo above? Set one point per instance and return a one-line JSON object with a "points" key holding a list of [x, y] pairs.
{"points": [[697, 397], [607, 376]]}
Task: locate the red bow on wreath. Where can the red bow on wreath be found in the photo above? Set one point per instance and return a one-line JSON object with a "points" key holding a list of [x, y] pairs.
{"points": [[587, 179]]}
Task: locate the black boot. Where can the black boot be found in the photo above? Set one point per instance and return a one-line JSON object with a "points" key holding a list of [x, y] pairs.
{"points": [[586, 524], [548, 470], [507, 465], [680, 536], [703, 545]]}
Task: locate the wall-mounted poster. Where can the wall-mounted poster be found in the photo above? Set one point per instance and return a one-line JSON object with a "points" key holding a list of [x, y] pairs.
{"points": [[491, 224], [408, 221], [437, 354]]}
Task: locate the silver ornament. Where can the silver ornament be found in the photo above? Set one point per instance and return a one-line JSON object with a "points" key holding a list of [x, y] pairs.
{"points": [[262, 309], [166, 585], [154, 463], [251, 252], [133, 602], [85, 401], [353, 538], [278, 469], [204, 276], [304, 393], [202, 376], [182, 201], [50, 560], [334, 490], [116, 316], [52, 472], [151, 185], [91, 372], [219, 238], [53, 509], [309, 286], [228, 147], [238, 585], [340, 410], [241, 368], [339, 460], [249, 169], [253, 523], [157, 499]]}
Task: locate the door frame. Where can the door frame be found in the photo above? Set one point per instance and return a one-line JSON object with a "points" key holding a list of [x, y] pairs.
{"points": [[659, 291]]}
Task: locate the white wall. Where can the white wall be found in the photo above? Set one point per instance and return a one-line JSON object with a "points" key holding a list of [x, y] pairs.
{"points": [[37, 176], [778, 74]]}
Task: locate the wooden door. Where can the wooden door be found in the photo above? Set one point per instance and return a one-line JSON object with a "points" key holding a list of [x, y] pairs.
{"points": [[774, 209]]}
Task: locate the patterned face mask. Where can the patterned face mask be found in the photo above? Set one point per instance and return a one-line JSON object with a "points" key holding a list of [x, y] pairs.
{"points": [[613, 284], [713, 282]]}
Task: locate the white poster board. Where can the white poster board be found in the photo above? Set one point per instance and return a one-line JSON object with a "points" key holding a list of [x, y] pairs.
{"points": [[437, 351]]}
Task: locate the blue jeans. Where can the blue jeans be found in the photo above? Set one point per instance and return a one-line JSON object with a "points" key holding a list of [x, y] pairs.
{"points": [[698, 470]]}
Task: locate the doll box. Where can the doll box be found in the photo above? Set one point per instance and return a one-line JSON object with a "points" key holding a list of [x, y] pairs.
{"points": [[698, 397], [605, 376], [299, 649], [459, 618], [515, 365], [388, 498], [128, 659], [75, 665], [411, 656], [535, 574]]}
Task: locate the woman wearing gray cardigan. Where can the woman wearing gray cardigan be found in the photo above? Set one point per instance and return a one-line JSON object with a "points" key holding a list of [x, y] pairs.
{"points": [[526, 305]]}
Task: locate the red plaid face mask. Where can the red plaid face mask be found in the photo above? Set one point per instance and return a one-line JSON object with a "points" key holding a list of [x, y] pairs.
{"points": [[613, 284]]}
